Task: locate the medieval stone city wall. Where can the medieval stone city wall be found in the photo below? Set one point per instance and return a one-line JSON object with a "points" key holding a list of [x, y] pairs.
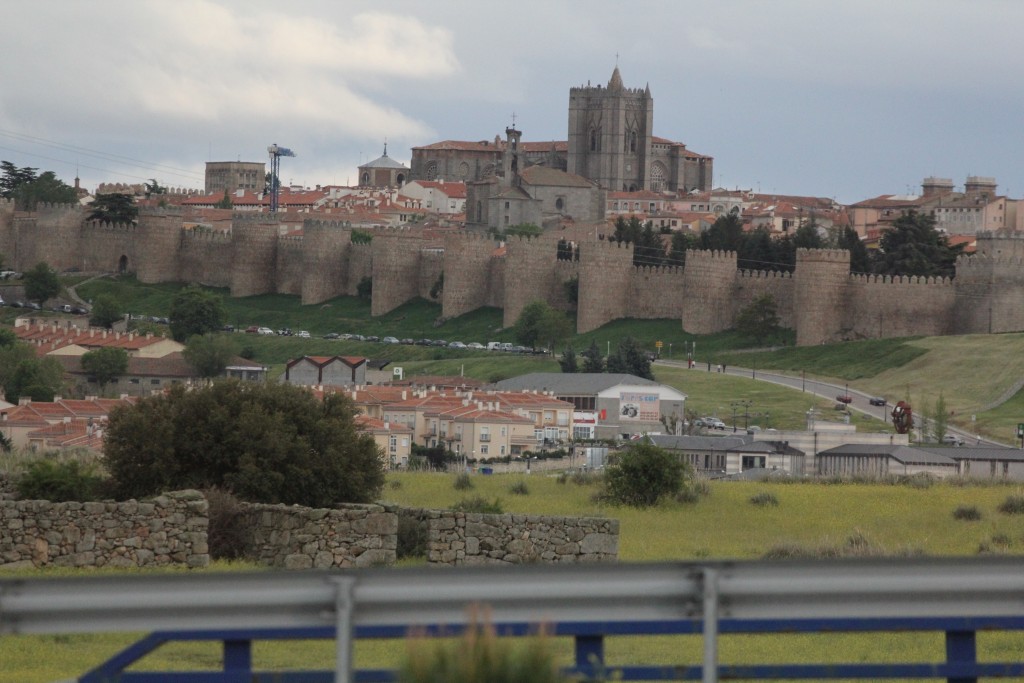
{"points": [[606, 270], [468, 265], [325, 252], [289, 272], [293, 537], [752, 284], [104, 245], [166, 530], [360, 265], [820, 300], [396, 269], [206, 257], [469, 538], [709, 280]]}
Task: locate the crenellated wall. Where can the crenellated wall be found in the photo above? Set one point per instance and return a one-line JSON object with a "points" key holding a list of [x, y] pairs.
{"points": [[206, 257], [532, 273], [751, 284], [820, 300]]}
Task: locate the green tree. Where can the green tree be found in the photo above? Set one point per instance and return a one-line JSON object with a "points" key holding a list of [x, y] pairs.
{"points": [[225, 201], [153, 187], [26, 375], [195, 311], [860, 259], [681, 243], [939, 418], [12, 177], [807, 236], [568, 361], [572, 290], [643, 475], [760, 319], [593, 361], [726, 233], [116, 207], [106, 310], [46, 189], [105, 365], [539, 324], [630, 359], [364, 290], [209, 354], [913, 246], [41, 283], [524, 230], [270, 443]]}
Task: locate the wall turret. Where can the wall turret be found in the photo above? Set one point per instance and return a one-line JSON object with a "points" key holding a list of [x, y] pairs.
{"points": [[709, 282], [326, 252], [822, 280], [254, 240]]}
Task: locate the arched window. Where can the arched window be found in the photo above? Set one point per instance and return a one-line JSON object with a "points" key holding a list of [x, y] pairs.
{"points": [[463, 170], [365, 180], [122, 264], [657, 176], [432, 170], [400, 178], [632, 141], [559, 203], [593, 139], [479, 212]]}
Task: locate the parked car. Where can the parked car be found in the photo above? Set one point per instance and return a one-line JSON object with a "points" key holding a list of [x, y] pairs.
{"points": [[711, 423], [877, 401], [303, 334], [332, 335], [844, 398], [474, 345], [389, 340], [371, 338], [408, 342], [79, 310], [953, 440], [456, 345], [264, 331], [252, 329]]}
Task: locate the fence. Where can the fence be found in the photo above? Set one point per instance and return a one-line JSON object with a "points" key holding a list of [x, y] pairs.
{"points": [[957, 597]]}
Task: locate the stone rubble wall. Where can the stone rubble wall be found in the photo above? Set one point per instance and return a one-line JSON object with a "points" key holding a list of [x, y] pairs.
{"points": [[166, 530], [469, 538], [293, 537]]}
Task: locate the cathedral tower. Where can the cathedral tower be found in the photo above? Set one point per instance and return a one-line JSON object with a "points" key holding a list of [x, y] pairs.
{"points": [[610, 131]]}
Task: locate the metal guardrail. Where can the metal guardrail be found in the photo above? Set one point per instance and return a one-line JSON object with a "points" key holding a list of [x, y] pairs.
{"points": [[587, 602]]}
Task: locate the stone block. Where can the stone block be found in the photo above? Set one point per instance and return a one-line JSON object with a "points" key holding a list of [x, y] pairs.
{"points": [[599, 543], [298, 562]]}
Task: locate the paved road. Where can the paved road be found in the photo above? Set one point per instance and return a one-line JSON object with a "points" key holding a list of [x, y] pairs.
{"points": [[828, 390]]}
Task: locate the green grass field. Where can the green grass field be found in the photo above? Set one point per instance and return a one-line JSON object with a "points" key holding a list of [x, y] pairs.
{"points": [[725, 525]]}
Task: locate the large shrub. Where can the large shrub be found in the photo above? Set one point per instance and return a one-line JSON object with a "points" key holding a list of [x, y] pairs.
{"points": [[643, 474], [55, 481], [269, 443]]}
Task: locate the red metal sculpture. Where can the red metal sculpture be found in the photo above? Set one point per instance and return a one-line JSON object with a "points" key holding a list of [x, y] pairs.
{"points": [[902, 417]]}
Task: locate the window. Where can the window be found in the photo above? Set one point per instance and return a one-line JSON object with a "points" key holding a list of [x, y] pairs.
{"points": [[154, 381], [485, 434], [559, 204], [504, 431], [593, 139], [483, 449], [502, 450], [506, 206]]}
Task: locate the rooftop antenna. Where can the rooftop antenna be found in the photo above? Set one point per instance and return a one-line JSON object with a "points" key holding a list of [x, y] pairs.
{"points": [[275, 166]]}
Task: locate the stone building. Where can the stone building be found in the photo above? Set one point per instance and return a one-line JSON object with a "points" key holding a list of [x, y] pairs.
{"points": [[383, 172], [229, 176]]}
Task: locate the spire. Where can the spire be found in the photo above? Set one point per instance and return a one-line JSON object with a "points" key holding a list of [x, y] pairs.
{"points": [[616, 80], [385, 146]]}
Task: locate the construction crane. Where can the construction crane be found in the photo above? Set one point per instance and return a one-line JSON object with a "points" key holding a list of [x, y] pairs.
{"points": [[275, 166]]}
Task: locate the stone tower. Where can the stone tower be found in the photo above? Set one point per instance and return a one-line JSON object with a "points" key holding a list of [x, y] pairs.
{"points": [[610, 130]]}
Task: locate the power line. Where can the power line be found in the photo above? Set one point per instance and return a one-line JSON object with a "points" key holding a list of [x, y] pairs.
{"points": [[105, 156]]}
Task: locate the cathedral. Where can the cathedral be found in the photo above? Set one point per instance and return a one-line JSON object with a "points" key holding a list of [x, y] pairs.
{"points": [[611, 143], [611, 147]]}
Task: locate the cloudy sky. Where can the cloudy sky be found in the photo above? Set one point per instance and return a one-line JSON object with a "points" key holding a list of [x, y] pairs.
{"points": [[841, 99]]}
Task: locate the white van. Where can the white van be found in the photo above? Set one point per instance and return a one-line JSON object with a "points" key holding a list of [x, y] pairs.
{"points": [[493, 346]]}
